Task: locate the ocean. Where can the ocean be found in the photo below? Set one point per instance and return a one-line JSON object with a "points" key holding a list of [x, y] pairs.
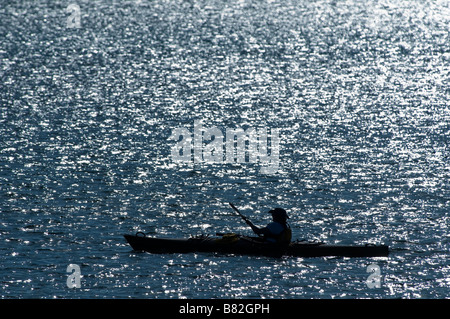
{"points": [[94, 93]]}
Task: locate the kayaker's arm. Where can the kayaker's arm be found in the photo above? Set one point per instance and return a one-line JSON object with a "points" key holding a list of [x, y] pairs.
{"points": [[260, 231], [255, 229]]}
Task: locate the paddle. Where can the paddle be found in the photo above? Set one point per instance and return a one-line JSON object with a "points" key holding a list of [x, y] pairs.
{"points": [[247, 221]]}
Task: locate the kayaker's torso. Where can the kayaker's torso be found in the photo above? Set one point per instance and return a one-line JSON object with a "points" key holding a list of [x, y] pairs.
{"points": [[278, 233]]}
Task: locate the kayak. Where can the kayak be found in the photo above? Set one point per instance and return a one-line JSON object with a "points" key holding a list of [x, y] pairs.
{"points": [[243, 245]]}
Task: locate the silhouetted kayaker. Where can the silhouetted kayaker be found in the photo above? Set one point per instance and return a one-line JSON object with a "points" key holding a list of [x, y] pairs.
{"points": [[278, 231]]}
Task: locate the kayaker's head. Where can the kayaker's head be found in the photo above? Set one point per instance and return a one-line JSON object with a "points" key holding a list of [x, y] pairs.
{"points": [[279, 215]]}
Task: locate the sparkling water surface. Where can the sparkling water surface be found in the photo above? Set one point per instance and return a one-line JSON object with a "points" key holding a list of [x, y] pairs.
{"points": [[359, 91]]}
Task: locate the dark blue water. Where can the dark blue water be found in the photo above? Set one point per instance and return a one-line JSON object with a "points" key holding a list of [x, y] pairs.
{"points": [[358, 90]]}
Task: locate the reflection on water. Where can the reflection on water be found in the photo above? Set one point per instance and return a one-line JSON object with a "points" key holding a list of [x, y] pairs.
{"points": [[358, 91]]}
